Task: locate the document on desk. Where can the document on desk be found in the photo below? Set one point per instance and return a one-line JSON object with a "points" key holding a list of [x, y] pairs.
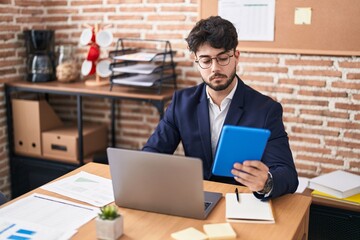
{"points": [[49, 212], [85, 187], [21, 230], [248, 209]]}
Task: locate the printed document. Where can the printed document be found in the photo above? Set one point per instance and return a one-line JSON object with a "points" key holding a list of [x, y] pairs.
{"points": [[254, 19], [47, 212], [85, 187]]}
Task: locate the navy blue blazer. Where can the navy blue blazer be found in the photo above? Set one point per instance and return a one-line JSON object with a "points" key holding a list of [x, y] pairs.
{"points": [[186, 120]]}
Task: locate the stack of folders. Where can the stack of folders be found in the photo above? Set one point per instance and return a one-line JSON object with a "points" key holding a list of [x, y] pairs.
{"points": [[338, 186]]}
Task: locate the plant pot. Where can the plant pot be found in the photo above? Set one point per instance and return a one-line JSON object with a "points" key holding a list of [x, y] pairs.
{"points": [[109, 229]]}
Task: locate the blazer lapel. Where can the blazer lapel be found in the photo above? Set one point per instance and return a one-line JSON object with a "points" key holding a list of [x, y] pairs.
{"points": [[204, 127], [236, 106]]}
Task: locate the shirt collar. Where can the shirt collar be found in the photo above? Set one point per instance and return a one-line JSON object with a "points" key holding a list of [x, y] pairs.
{"points": [[229, 96]]}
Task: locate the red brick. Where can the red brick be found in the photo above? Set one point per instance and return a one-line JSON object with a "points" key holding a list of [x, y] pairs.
{"points": [[344, 125], [347, 64], [323, 94], [257, 78], [315, 131], [322, 73], [314, 149], [348, 106], [305, 102], [342, 143], [303, 62], [355, 165], [303, 120], [137, 9], [302, 82], [325, 113], [86, 3], [352, 76], [320, 159], [258, 60], [266, 69], [166, 17], [294, 138], [185, 9], [345, 85], [347, 154]]}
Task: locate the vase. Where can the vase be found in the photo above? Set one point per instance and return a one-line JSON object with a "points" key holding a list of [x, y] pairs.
{"points": [[109, 229]]}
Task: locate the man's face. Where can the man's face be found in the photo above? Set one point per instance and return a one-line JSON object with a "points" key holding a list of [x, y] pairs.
{"points": [[218, 73]]}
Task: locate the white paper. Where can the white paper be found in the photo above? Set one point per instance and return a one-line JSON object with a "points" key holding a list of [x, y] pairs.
{"points": [[253, 19], [137, 68], [85, 187], [10, 229], [138, 80], [140, 56], [49, 212], [303, 184], [249, 208]]}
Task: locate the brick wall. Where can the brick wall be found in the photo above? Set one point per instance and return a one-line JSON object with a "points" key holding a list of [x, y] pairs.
{"points": [[320, 94]]}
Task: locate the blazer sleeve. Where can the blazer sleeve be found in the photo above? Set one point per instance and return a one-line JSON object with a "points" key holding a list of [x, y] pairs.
{"points": [[166, 137], [278, 156]]}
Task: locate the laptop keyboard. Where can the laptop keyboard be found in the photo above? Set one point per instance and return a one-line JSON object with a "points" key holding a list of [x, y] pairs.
{"points": [[207, 204]]}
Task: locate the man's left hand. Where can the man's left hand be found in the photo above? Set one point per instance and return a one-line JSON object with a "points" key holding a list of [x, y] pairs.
{"points": [[252, 173]]}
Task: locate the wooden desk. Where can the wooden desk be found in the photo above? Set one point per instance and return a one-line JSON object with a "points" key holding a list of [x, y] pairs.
{"points": [[291, 216]]}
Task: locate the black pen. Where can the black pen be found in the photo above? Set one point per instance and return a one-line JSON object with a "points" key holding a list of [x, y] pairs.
{"points": [[237, 195]]}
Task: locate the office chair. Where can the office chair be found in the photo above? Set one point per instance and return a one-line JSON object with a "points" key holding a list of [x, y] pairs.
{"points": [[3, 199]]}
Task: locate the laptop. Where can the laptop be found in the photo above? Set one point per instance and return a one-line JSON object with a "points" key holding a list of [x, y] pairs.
{"points": [[161, 183]]}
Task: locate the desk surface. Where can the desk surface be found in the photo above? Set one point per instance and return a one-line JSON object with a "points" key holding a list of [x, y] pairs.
{"points": [[291, 216], [81, 88]]}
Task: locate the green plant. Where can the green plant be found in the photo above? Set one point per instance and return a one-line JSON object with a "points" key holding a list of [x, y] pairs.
{"points": [[109, 212]]}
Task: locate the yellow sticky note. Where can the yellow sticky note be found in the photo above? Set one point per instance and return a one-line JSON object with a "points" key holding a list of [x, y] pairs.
{"points": [[189, 234], [219, 231], [302, 16]]}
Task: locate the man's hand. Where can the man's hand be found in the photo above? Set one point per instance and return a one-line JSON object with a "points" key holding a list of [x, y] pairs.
{"points": [[251, 173]]}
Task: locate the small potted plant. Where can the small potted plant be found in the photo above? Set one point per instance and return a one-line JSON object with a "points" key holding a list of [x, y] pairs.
{"points": [[109, 223]]}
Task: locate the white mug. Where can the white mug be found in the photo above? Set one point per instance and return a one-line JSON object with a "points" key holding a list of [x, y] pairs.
{"points": [[103, 68], [88, 68], [87, 37], [104, 38]]}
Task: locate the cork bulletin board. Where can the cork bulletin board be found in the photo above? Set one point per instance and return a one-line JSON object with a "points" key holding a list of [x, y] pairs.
{"points": [[334, 28]]}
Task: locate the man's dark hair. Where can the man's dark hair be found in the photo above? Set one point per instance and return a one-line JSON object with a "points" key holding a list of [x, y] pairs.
{"points": [[218, 32]]}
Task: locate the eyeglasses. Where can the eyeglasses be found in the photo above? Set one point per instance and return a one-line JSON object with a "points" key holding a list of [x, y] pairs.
{"points": [[206, 62]]}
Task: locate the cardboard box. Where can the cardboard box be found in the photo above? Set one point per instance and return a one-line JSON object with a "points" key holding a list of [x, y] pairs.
{"points": [[30, 118], [62, 143]]}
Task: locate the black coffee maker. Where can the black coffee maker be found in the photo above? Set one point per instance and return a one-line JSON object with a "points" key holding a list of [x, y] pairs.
{"points": [[40, 50]]}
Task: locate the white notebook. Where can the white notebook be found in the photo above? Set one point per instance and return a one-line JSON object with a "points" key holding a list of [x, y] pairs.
{"points": [[339, 183], [248, 209]]}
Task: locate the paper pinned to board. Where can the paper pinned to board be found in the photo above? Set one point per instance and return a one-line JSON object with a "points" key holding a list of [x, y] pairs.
{"points": [[302, 16], [254, 19]]}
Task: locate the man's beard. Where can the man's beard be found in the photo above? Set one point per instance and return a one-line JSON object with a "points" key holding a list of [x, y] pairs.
{"points": [[223, 86]]}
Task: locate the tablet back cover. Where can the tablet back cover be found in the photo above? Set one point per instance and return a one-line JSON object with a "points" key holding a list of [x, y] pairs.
{"points": [[237, 144]]}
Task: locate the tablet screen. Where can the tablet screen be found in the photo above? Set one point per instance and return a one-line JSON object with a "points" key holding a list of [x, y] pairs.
{"points": [[237, 144]]}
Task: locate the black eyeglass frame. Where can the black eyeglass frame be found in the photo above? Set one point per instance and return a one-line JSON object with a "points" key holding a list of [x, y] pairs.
{"points": [[216, 58]]}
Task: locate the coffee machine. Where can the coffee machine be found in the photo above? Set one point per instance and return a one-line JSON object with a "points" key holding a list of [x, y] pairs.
{"points": [[40, 50]]}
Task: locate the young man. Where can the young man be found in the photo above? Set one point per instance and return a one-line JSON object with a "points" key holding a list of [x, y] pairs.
{"points": [[196, 115]]}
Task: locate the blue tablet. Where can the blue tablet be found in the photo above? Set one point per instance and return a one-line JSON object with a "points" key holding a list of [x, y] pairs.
{"points": [[237, 144]]}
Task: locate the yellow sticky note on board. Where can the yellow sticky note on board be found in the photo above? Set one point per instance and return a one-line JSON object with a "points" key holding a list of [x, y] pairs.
{"points": [[302, 16], [189, 234], [219, 231]]}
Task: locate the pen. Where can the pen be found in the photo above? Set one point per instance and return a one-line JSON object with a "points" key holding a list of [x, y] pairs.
{"points": [[237, 195]]}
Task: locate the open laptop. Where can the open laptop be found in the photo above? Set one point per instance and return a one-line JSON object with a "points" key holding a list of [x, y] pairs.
{"points": [[161, 183]]}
